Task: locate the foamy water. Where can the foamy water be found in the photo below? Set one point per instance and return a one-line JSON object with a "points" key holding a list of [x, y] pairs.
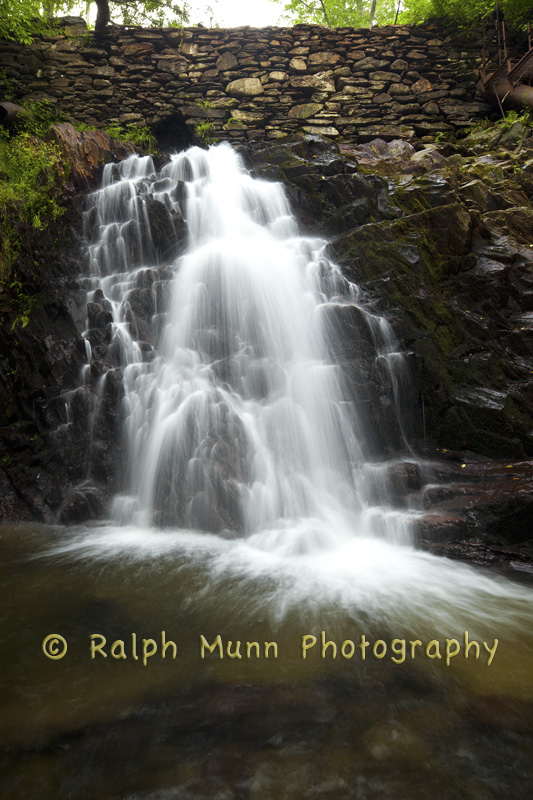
{"points": [[242, 421]]}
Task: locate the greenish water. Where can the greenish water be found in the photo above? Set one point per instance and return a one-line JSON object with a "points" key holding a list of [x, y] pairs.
{"points": [[399, 723]]}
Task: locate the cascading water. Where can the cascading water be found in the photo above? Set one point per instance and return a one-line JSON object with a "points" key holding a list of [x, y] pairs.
{"points": [[239, 419]]}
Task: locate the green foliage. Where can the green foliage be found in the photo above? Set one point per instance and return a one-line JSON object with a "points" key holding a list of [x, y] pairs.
{"points": [[339, 13], [362, 13], [480, 129], [147, 13], [152, 13], [204, 104], [21, 20], [204, 131], [511, 117], [40, 115], [463, 12], [139, 135], [31, 175], [21, 302]]}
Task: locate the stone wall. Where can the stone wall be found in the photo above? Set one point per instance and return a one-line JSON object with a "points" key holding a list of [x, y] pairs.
{"points": [[246, 83]]}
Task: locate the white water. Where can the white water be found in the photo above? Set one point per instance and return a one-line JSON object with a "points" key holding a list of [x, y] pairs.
{"points": [[242, 422], [238, 420]]}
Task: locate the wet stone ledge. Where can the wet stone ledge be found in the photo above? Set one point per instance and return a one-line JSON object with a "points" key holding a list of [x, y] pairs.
{"points": [[255, 83]]}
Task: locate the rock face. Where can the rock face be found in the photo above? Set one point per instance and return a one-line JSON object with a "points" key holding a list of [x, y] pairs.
{"points": [[39, 364], [86, 152], [444, 246], [43, 464], [349, 84], [481, 512]]}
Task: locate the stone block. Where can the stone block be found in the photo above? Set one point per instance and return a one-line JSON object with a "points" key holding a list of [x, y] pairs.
{"points": [[323, 59], [381, 75], [325, 130], [298, 65], [245, 87], [321, 81], [226, 62], [304, 111]]}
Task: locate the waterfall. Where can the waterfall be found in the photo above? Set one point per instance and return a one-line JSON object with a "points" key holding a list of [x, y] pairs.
{"points": [[249, 620], [238, 418]]}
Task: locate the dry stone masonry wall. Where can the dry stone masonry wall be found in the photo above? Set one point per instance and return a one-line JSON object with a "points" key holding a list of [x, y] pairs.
{"points": [[246, 83]]}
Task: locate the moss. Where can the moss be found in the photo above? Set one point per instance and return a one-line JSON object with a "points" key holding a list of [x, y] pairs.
{"points": [[410, 198], [422, 244], [488, 173], [204, 131], [441, 310], [21, 302]]}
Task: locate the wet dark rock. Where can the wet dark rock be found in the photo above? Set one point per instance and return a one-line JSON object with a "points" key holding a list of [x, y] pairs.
{"points": [[12, 507], [405, 479], [481, 512], [98, 316], [141, 302], [98, 338], [350, 332], [165, 230], [449, 262], [40, 362], [217, 511], [81, 504], [139, 328]]}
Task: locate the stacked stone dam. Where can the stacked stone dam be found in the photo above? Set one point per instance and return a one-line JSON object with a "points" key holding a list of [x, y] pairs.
{"points": [[247, 83]]}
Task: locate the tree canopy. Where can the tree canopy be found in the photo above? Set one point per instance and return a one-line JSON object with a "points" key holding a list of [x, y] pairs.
{"points": [[150, 13], [339, 13], [464, 12], [19, 19], [22, 19], [364, 13]]}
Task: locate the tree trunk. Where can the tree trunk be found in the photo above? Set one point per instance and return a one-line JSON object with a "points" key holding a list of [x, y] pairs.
{"points": [[372, 12], [325, 13], [103, 15]]}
